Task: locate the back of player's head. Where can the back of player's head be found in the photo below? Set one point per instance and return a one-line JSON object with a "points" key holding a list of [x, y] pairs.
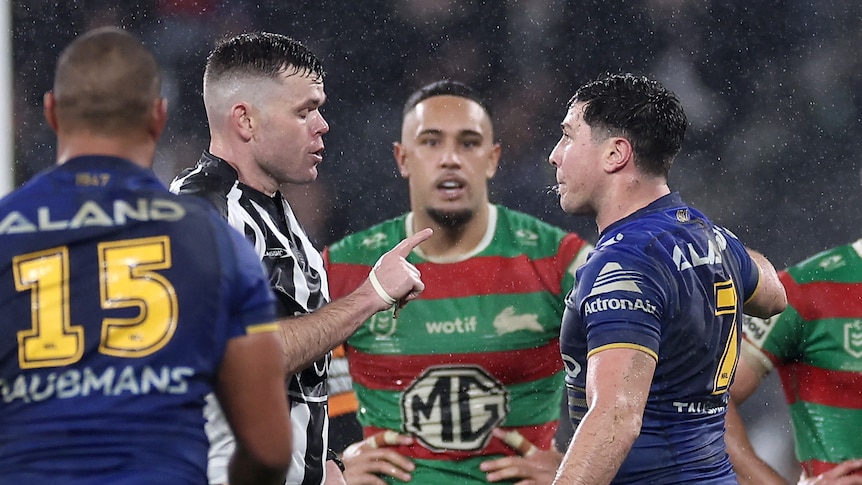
{"points": [[260, 54], [106, 81], [445, 87], [639, 109]]}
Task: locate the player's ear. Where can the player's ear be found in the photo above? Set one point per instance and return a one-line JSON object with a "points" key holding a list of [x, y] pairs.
{"points": [[242, 120], [494, 160], [159, 117], [618, 154], [400, 154], [49, 108]]}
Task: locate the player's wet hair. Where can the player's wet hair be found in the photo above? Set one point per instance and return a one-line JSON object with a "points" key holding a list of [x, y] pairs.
{"points": [[445, 87], [639, 109], [106, 81]]}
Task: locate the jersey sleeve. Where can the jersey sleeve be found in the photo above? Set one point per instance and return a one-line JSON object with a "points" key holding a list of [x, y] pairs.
{"points": [[347, 265], [748, 269], [622, 301]]}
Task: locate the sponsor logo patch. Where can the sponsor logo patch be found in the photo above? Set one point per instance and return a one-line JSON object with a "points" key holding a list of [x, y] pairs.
{"points": [[508, 321]]}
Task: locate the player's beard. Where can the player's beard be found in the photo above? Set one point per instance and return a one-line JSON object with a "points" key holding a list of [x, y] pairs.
{"points": [[450, 219]]}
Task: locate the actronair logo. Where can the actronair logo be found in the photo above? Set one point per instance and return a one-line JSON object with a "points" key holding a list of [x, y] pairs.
{"points": [[605, 304]]}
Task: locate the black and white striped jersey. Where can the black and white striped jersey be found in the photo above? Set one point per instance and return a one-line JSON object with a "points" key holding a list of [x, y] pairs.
{"points": [[298, 278]]}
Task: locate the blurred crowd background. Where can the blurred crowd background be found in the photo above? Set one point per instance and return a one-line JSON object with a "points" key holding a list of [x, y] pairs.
{"points": [[772, 90]]}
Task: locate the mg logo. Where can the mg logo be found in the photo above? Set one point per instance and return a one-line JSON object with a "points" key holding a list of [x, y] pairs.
{"points": [[454, 408], [853, 338]]}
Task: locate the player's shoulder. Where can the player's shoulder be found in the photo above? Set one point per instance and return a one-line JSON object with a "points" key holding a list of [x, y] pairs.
{"points": [[368, 243], [211, 178], [631, 247], [518, 219], [525, 231], [838, 264]]}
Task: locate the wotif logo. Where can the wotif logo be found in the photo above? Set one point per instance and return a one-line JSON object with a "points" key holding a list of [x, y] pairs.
{"points": [[459, 325]]}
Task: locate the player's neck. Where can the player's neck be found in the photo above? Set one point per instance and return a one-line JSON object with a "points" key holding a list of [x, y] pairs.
{"points": [[248, 171], [137, 150], [624, 200]]}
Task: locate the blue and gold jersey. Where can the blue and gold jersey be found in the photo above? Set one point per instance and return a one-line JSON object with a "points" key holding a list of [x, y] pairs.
{"points": [[118, 301], [668, 282]]}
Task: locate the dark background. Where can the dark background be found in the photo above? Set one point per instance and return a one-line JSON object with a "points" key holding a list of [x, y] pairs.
{"points": [[772, 90]]}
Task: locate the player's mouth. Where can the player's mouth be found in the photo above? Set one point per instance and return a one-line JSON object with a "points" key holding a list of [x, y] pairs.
{"points": [[452, 187], [317, 155]]}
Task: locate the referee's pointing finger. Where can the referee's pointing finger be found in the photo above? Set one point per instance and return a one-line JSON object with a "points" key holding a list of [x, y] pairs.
{"points": [[404, 248]]}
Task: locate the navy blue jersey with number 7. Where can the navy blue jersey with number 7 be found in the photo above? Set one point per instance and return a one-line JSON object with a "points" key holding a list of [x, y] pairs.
{"points": [[118, 301], [668, 282]]}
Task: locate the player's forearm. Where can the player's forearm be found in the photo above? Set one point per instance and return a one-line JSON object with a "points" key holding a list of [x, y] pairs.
{"points": [[754, 471], [392, 281], [598, 449], [307, 337], [750, 469]]}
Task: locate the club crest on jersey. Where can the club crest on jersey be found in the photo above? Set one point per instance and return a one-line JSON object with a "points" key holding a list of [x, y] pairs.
{"points": [[382, 324], [832, 262], [374, 241], [507, 321], [527, 238], [853, 338]]}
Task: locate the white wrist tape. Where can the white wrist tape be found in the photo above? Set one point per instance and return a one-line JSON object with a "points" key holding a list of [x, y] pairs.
{"points": [[379, 289]]}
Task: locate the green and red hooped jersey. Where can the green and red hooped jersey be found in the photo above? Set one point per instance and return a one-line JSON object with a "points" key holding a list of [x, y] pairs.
{"points": [[816, 345], [478, 349]]}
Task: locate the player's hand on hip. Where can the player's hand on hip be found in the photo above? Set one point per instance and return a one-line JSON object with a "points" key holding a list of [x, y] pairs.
{"points": [[334, 476], [373, 456], [395, 280], [532, 465], [846, 473]]}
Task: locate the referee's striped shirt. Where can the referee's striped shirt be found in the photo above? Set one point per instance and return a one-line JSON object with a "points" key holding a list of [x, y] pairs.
{"points": [[298, 278]]}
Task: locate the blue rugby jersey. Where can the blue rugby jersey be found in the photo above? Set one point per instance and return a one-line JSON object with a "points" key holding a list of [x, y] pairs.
{"points": [[666, 281], [118, 301]]}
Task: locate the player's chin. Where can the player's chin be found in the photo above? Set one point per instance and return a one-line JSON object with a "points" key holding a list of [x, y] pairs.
{"points": [[310, 175], [570, 205]]}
